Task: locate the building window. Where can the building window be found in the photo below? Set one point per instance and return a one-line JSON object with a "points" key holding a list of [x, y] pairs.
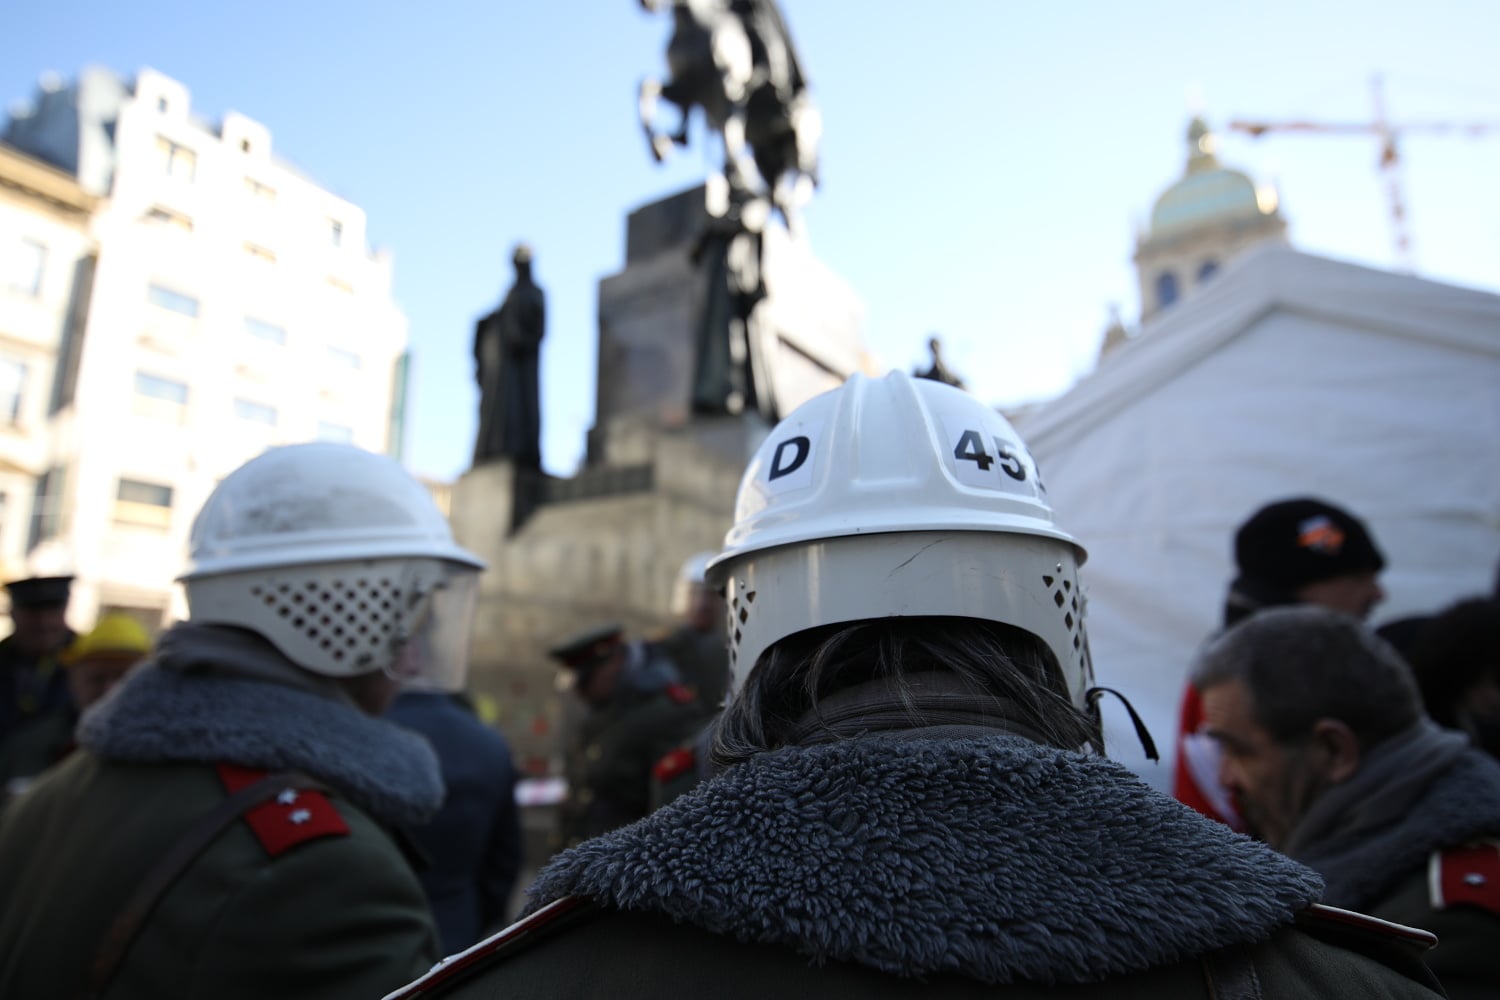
{"points": [[1207, 270], [163, 389], [143, 503], [176, 159], [337, 433], [343, 359], [140, 491], [159, 216], [46, 507], [259, 413], [166, 298], [27, 266], [263, 193], [335, 232], [12, 390], [261, 330], [1166, 289], [260, 253]]}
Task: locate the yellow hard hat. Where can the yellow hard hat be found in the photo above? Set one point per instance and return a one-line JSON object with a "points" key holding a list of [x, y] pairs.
{"points": [[115, 636]]}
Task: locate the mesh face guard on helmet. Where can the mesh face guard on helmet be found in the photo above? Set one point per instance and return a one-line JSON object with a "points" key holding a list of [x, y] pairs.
{"points": [[408, 617], [340, 559], [898, 497]]}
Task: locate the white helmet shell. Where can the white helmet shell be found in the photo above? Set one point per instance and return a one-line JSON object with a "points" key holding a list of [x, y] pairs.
{"points": [[897, 497], [339, 558]]}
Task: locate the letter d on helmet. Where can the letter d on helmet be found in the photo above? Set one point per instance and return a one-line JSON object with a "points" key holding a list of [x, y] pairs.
{"points": [[897, 497], [340, 559]]}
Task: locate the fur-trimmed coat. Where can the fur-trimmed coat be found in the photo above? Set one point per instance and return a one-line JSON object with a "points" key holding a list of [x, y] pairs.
{"points": [[265, 911], [900, 867]]}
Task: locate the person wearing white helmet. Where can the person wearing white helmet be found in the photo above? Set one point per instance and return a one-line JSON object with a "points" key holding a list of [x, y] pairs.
{"points": [[226, 828], [913, 803], [697, 645]]}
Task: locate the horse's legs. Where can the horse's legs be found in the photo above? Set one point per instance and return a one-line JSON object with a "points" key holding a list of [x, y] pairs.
{"points": [[646, 102]]}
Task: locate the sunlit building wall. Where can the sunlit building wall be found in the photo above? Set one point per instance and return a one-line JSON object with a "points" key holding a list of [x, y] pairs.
{"points": [[234, 306], [46, 254]]}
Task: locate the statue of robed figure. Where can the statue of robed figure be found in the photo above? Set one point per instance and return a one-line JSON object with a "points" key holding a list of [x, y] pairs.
{"points": [[507, 352]]}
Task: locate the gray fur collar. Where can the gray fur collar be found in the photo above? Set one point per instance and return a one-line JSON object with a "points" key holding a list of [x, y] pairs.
{"points": [[994, 858], [159, 715]]}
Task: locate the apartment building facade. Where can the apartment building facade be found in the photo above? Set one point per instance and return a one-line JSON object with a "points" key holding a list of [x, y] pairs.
{"points": [[224, 303]]}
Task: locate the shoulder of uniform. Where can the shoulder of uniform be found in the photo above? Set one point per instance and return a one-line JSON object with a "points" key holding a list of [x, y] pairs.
{"points": [[1465, 875], [1319, 916], [289, 818], [678, 762], [521, 934], [679, 694]]}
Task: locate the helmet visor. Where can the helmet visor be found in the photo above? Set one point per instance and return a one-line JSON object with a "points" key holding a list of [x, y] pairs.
{"points": [[435, 655]]}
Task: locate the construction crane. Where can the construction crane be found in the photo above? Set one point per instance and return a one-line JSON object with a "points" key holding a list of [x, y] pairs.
{"points": [[1390, 157]]}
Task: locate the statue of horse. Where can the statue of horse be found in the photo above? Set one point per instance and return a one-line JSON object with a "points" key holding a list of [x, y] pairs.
{"points": [[734, 60]]}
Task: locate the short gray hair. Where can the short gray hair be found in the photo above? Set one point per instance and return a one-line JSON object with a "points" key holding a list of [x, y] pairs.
{"points": [[1305, 663]]}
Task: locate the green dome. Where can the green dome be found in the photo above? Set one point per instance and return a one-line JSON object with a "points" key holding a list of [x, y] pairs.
{"points": [[1208, 193]]}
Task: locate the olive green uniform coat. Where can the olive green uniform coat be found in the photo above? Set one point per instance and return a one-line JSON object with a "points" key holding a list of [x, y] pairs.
{"points": [[305, 896], [336, 916]]}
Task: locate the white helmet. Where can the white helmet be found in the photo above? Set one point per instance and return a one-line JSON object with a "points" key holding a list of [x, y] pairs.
{"points": [[897, 497], [339, 558], [690, 577]]}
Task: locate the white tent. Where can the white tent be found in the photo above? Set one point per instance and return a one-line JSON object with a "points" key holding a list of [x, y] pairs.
{"points": [[1288, 375]]}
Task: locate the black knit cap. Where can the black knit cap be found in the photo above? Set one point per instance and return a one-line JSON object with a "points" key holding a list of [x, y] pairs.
{"points": [[1292, 543]]}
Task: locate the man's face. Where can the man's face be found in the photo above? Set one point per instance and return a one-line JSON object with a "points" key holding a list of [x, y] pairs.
{"points": [[1272, 783], [41, 630], [705, 610], [597, 686], [1354, 593], [90, 680]]}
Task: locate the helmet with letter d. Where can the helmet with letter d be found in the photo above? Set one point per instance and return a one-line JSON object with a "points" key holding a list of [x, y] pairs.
{"points": [[897, 497], [341, 560]]}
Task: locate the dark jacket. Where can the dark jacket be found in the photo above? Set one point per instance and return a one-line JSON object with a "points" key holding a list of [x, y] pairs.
{"points": [[473, 844], [30, 686], [34, 747], [275, 906], [1385, 850], [614, 748], [883, 866]]}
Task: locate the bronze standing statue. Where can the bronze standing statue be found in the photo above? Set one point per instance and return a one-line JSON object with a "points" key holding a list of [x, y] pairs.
{"points": [[507, 350], [734, 60]]}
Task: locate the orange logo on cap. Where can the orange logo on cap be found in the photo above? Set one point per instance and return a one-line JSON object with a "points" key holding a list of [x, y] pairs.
{"points": [[1321, 535]]}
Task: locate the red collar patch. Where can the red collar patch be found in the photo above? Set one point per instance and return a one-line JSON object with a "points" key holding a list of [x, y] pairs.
{"points": [[291, 817]]}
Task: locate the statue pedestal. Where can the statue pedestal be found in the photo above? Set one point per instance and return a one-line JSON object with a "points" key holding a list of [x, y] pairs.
{"points": [[490, 501]]}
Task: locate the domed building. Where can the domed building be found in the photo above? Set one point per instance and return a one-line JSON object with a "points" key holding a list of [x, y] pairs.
{"points": [[1198, 223]]}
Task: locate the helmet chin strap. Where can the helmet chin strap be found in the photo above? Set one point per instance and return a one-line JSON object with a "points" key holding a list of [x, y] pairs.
{"points": [[1092, 696]]}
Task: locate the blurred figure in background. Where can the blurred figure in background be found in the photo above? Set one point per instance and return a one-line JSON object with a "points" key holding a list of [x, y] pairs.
{"points": [[1456, 659], [696, 647], [473, 844], [31, 683], [1298, 551], [636, 712], [93, 664], [1329, 753], [224, 828]]}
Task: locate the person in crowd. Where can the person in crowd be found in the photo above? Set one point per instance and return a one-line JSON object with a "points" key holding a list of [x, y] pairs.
{"points": [[473, 844], [1327, 749], [1297, 551], [225, 828], [697, 646], [913, 803], [1456, 659], [636, 710], [31, 679], [93, 664]]}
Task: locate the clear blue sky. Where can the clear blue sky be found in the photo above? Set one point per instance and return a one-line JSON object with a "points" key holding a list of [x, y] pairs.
{"points": [[985, 163]]}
